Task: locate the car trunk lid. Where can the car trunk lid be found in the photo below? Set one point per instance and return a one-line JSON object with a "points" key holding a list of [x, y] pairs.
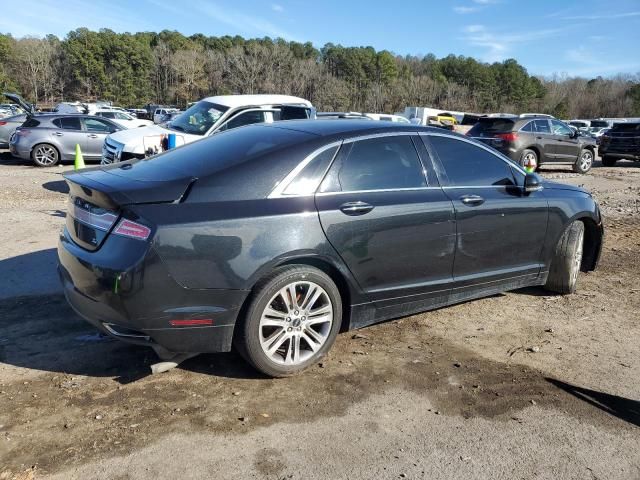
{"points": [[98, 201]]}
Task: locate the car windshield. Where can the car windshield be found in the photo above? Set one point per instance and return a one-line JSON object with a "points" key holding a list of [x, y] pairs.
{"points": [[198, 119]]}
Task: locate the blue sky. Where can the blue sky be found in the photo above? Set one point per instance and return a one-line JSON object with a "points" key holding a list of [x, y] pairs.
{"points": [[574, 37]]}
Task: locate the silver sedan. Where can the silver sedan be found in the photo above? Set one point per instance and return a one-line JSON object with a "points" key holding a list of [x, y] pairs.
{"points": [[49, 139], [8, 125]]}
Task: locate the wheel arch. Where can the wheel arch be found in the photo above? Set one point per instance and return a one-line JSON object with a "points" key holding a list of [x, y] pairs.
{"points": [[535, 149], [592, 244], [335, 274]]}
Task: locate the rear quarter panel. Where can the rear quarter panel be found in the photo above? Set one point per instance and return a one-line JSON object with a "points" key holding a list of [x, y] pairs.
{"points": [[231, 245]]}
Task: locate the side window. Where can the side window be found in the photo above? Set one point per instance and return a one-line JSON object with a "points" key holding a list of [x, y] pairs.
{"points": [[377, 164], [560, 128], [469, 165], [244, 118], [98, 126], [542, 126], [120, 116], [307, 180], [528, 128], [68, 123]]}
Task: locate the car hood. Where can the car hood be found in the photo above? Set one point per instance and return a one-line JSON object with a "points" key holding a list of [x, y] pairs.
{"points": [[133, 138], [563, 186]]}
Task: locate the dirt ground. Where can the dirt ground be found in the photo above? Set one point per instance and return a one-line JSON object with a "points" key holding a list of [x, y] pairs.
{"points": [[517, 386]]}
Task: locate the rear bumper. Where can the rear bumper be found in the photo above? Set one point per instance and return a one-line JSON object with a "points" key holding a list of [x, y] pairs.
{"points": [[136, 300]]}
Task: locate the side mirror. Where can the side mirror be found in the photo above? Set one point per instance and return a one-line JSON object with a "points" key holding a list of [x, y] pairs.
{"points": [[532, 183]]}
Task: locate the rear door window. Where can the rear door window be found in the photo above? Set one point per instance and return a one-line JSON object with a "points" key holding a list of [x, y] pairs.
{"points": [[383, 163], [68, 123], [542, 126], [470, 165]]}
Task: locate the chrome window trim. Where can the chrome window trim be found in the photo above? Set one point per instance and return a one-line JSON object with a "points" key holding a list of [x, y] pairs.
{"points": [[278, 191], [324, 194], [379, 135], [479, 145]]}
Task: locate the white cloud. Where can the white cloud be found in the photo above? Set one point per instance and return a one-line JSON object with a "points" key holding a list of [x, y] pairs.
{"points": [[499, 45], [277, 8], [604, 16], [465, 10], [241, 22], [581, 55], [485, 2]]}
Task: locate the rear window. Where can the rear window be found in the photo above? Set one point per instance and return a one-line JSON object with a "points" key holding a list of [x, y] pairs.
{"points": [[626, 127], [238, 164], [491, 126], [32, 122], [599, 123]]}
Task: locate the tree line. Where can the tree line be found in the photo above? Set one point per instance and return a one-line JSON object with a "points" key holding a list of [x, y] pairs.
{"points": [[170, 68]]}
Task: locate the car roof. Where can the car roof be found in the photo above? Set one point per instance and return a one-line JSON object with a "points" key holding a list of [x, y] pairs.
{"points": [[349, 127], [233, 101]]}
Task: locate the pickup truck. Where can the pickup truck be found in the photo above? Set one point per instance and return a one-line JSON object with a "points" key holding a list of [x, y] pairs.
{"points": [[204, 118], [621, 142]]}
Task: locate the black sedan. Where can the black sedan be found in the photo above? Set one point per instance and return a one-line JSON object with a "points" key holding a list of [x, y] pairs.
{"points": [[272, 238]]}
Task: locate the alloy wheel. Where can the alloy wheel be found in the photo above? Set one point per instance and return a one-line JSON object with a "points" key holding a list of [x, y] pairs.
{"points": [[586, 160], [296, 323], [46, 155]]}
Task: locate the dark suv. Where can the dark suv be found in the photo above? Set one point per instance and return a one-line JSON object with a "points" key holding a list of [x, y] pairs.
{"points": [[621, 142], [537, 139]]}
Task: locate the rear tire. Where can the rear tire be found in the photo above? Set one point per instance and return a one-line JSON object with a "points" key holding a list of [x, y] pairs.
{"points": [[566, 261], [281, 337], [45, 155], [608, 161], [584, 162]]}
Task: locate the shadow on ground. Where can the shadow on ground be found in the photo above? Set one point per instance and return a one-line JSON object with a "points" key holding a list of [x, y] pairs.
{"points": [[44, 333], [623, 408], [59, 186]]}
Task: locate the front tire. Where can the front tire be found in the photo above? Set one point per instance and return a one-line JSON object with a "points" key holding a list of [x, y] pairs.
{"points": [[608, 161], [567, 259], [45, 155], [291, 322], [584, 162]]}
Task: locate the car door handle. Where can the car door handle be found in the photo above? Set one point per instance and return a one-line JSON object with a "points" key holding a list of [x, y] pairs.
{"points": [[355, 208], [472, 200], [93, 135], [538, 138], [58, 134]]}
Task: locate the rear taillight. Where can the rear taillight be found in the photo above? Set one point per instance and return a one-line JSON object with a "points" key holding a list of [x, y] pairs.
{"points": [[91, 215], [2, 124], [131, 229], [508, 137]]}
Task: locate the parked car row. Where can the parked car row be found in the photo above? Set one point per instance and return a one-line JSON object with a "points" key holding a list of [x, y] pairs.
{"points": [[536, 140], [531, 139]]}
